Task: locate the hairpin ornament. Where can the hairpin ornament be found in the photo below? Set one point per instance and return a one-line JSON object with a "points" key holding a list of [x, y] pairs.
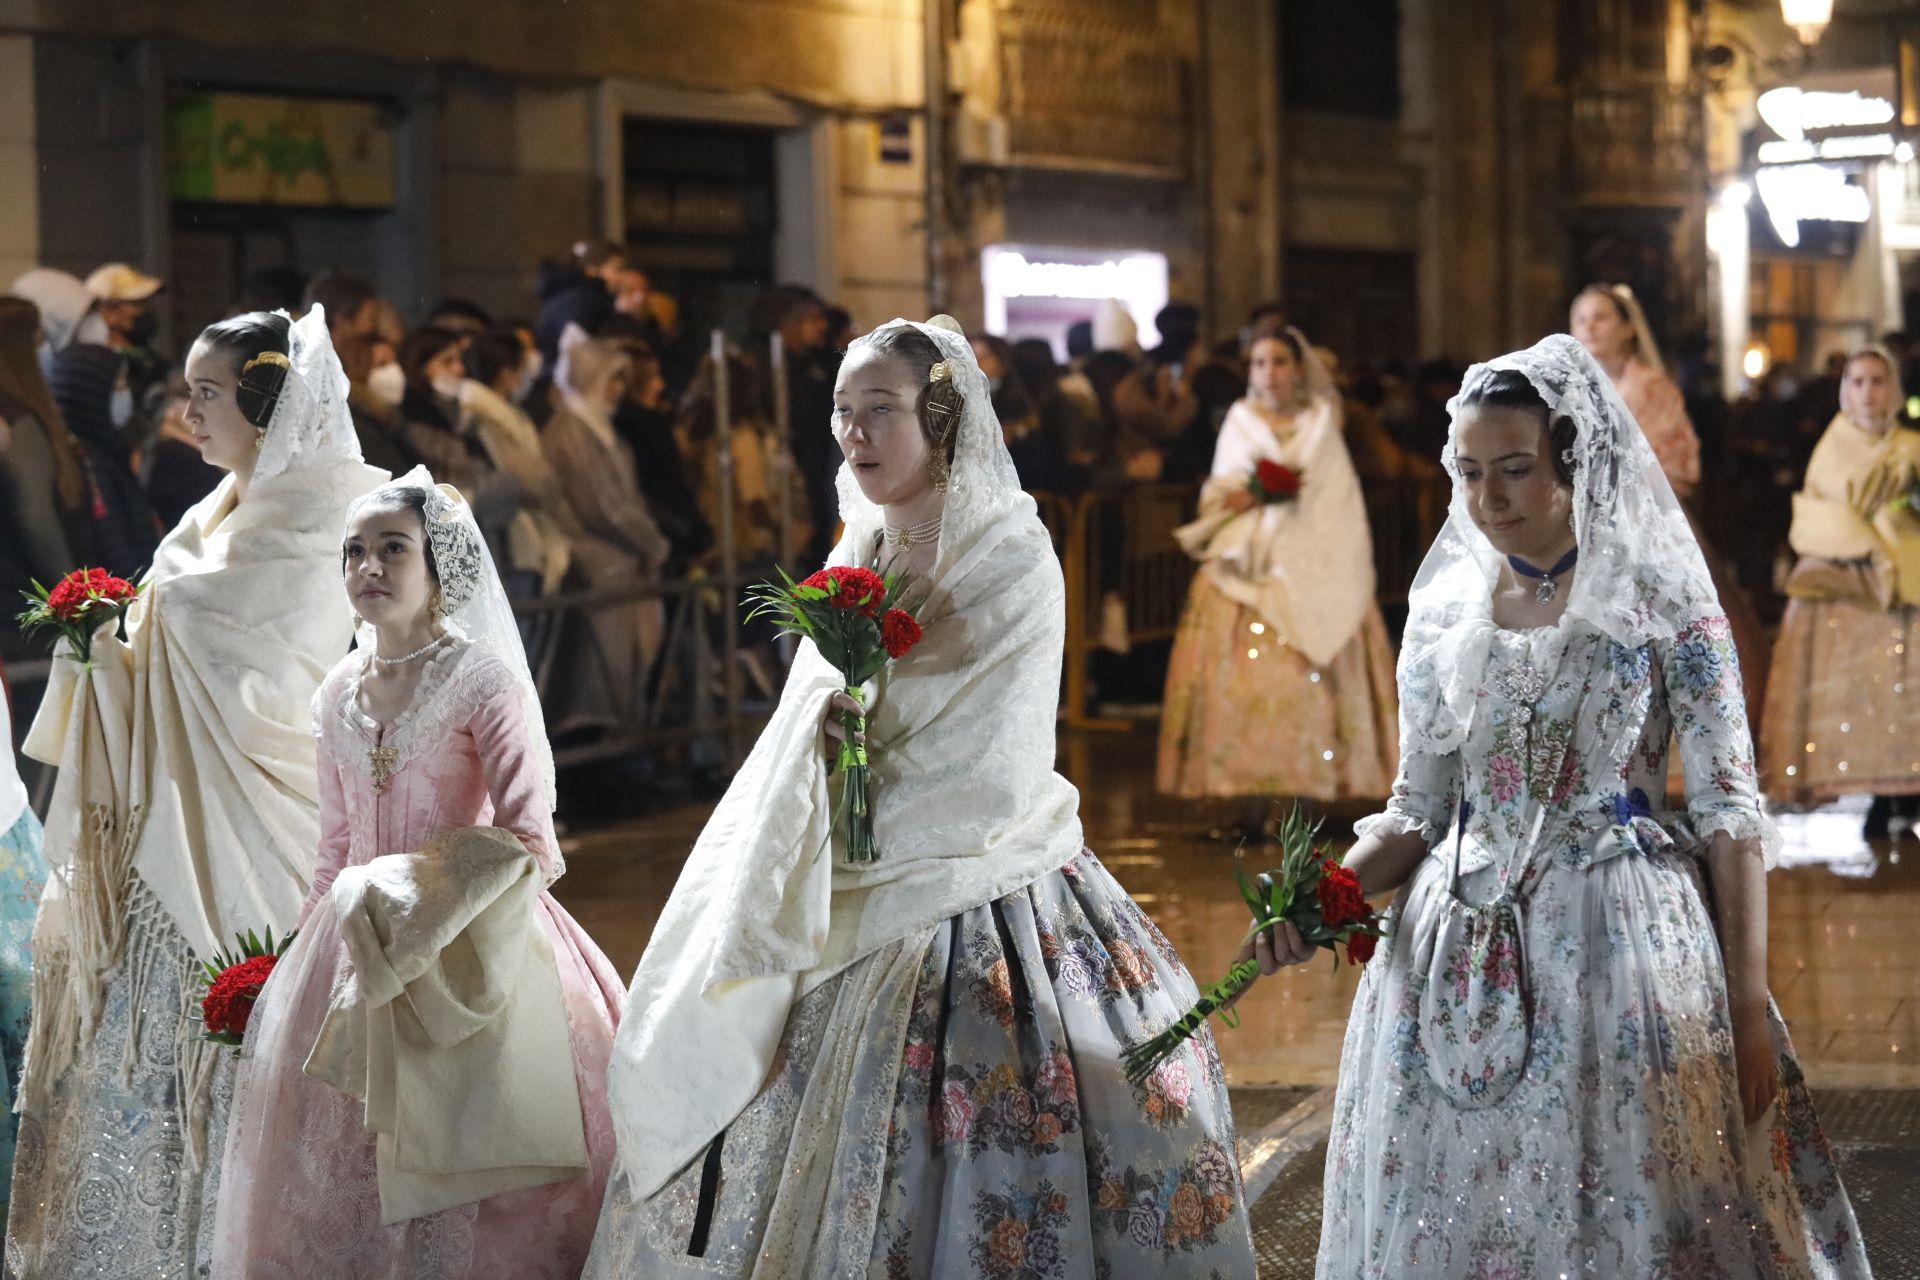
{"points": [[266, 357], [940, 372]]}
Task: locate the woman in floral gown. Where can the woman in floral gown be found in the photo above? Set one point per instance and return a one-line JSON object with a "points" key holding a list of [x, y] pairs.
{"points": [[1280, 682], [911, 1067], [1550, 1068], [427, 731]]}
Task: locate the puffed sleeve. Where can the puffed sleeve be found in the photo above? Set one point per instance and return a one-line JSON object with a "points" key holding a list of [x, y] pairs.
{"points": [[504, 741], [1701, 675], [1426, 792]]}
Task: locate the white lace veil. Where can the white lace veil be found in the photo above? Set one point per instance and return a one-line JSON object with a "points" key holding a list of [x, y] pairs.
{"points": [[982, 485], [310, 422], [1641, 576], [477, 609]]}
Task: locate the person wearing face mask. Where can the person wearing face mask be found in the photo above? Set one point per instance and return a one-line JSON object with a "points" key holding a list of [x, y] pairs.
{"points": [[536, 549], [90, 386], [125, 302], [434, 430], [615, 541], [1843, 715], [1281, 679]]}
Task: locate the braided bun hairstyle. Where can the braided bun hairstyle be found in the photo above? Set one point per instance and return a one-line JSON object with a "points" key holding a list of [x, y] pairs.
{"points": [[257, 344]]}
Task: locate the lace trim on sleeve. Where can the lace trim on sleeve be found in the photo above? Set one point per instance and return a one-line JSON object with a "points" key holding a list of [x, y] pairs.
{"points": [[1397, 822], [1741, 824]]}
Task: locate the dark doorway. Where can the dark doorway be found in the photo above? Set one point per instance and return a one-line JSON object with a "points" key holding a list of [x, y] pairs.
{"points": [[1363, 305]]}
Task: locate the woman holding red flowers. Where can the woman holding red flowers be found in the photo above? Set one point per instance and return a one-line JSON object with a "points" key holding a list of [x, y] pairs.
{"points": [[906, 1059], [186, 806], [1281, 679], [1563, 1059]]}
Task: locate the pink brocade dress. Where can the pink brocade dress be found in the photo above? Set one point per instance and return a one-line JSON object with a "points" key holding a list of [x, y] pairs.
{"points": [[299, 1197]]}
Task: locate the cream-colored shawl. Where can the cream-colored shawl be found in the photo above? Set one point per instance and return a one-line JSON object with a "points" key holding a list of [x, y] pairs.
{"points": [[1825, 523], [186, 751], [1305, 566], [452, 1028], [967, 808]]}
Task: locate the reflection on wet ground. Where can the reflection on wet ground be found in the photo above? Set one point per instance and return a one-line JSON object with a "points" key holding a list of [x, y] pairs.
{"points": [[1845, 914]]}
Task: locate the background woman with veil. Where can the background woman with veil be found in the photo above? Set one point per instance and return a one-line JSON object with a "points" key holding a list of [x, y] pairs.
{"points": [[1565, 1060], [186, 810], [1281, 678], [472, 1140], [912, 1066], [1610, 324]]}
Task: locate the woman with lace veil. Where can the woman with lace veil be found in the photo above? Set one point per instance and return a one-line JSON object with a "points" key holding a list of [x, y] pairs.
{"points": [[186, 810], [1611, 324], [1281, 678], [1841, 708], [1564, 1060], [398, 1117], [911, 1066]]}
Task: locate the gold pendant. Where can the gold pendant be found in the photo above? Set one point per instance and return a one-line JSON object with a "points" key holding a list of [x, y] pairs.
{"points": [[381, 760]]}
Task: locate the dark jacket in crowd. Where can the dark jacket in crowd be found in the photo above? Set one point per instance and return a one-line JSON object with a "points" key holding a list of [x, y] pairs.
{"points": [[664, 481], [568, 295], [810, 377], [125, 530]]}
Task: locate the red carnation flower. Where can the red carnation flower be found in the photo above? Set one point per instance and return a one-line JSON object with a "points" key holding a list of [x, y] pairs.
{"points": [[899, 632], [117, 590], [229, 1001], [853, 588], [68, 599], [1277, 479], [1341, 901], [1360, 948]]}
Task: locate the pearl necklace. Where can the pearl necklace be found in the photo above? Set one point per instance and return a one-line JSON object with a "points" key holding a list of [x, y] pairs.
{"points": [[405, 659], [914, 536]]}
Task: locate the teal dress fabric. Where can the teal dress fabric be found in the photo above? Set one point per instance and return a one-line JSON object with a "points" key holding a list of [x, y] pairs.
{"points": [[23, 873]]}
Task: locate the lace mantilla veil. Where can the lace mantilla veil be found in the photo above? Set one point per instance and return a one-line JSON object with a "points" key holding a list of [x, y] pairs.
{"points": [[477, 609], [1641, 576], [982, 485], [310, 422]]}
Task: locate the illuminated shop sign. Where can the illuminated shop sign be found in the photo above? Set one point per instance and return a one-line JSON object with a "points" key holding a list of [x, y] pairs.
{"points": [[1036, 285], [1825, 131]]}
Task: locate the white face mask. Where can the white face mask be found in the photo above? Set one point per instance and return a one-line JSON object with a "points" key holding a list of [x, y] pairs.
{"points": [[388, 382], [530, 370], [121, 406], [447, 387]]}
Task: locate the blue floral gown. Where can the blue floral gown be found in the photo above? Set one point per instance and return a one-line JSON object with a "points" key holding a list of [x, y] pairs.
{"points": [[1620, 1150], [1006, 1144]]}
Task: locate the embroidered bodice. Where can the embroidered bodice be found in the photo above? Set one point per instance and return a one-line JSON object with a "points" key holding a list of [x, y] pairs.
{"points": [[460, 755], [1569, 738]]}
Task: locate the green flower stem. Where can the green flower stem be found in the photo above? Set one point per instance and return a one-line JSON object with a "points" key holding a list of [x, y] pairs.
{"points": [[854, 777], [1144, 1059]]}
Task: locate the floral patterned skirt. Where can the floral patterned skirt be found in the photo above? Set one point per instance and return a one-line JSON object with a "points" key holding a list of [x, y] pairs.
{"points": [[955, 1107], [1845, 678], [1247, 716], [23, 874], [1621, 1151]]}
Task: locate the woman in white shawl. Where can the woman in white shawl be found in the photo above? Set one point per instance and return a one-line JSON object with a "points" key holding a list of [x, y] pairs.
{"points": [[1281, 679], [913, 1065], [185, 810], [1564, 1060]]}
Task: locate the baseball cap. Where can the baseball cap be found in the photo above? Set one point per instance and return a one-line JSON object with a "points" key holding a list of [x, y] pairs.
{"points": [[118, 282]]}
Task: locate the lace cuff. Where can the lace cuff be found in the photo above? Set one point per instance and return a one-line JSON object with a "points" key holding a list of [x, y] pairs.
{"points": [[1397, 822], [1740, 824]]}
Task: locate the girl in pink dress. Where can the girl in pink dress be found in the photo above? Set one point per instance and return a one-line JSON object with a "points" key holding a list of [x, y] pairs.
{"points": [[430, 728]]}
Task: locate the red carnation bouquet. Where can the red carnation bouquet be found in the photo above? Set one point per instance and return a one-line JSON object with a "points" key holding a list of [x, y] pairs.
{"points": [[77, 605], [233, 985], [846, 612], [1274, 482], [1321, 898]]}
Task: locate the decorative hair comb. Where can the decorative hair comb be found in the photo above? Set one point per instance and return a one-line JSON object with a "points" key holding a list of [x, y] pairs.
{"points": [[266, 357], [940, 372]]}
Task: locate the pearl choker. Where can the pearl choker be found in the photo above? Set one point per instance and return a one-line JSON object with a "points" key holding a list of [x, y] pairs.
{"points": [[914, 536], [406, 658]]}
